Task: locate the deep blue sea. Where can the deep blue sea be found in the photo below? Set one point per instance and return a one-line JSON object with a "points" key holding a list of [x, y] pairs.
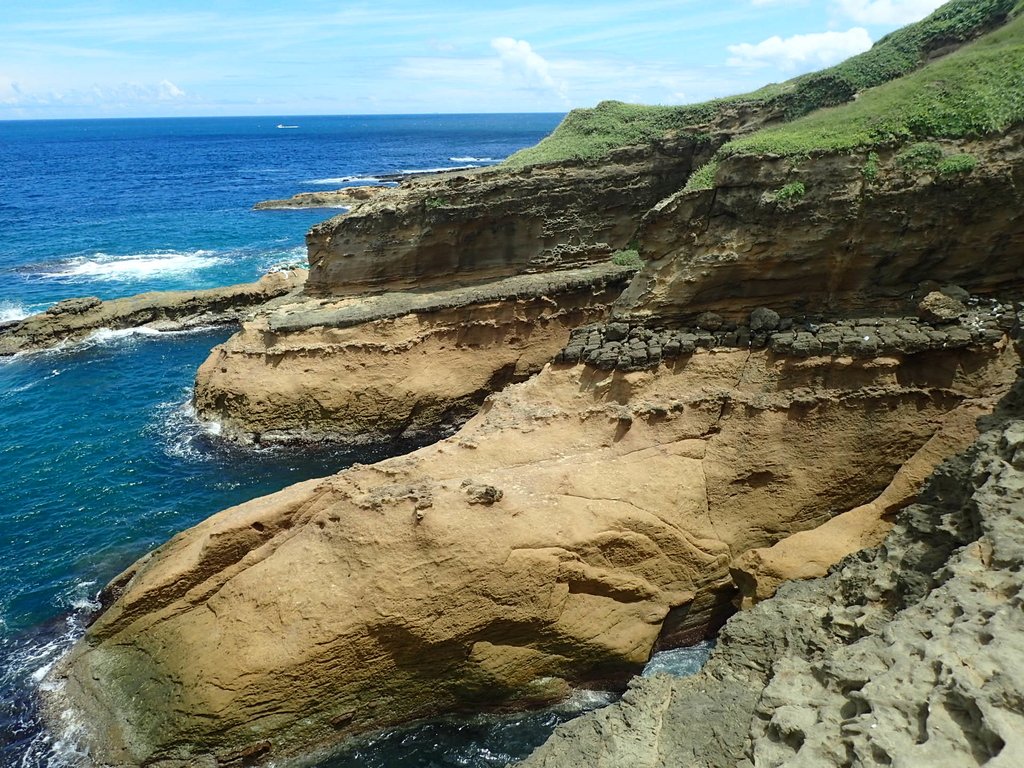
{"points": [[101, 456]]}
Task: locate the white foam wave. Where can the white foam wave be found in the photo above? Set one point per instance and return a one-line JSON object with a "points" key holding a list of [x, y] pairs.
{"points": [[107, 335], [182, 431], [344, 180], [284, 261], [29, 664], [476, 159], [680, 662], [140, 266], [10, 312]]}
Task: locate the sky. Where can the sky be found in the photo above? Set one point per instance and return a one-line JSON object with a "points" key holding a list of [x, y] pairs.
{"points": [[156, 58]]}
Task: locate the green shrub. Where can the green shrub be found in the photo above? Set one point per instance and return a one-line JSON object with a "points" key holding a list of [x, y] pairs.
{"points": [[957, 164], [703, 177], [433, 203], [871, 167], [791, 192], [628, 257], [920, 156]]}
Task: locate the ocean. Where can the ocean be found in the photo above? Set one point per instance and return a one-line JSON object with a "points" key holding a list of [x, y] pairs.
{"points": [[102, 456]]}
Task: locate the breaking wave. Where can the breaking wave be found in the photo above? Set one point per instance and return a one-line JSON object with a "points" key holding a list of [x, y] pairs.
{"points": [[9, 312], [141, 266]]}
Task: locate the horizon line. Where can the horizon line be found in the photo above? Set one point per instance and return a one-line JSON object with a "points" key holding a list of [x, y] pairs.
{"points": [[275, 116]]}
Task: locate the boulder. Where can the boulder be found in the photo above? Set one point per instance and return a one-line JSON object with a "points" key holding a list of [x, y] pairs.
{"points": [[936, 307]]}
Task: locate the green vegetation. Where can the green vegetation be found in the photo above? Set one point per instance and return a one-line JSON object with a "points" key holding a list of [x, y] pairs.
{"points": [[791, 192], [921, 156], [957, 164], [589, 133], [871, 167], [703, 177], [629, 257], [592, 133], [977, 90], [433, 203]]}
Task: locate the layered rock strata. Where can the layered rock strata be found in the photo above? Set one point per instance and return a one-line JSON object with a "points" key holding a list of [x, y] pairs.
{"points": [[73, 320], [493, 223], [844, 240], [580, 520], [395, 365], [908, 654]]}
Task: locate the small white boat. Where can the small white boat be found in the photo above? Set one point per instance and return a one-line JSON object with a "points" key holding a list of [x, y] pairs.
{"points": [[279, 125]]}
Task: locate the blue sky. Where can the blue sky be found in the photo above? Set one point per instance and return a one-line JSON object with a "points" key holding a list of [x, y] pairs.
{"points": [[112, 58]]}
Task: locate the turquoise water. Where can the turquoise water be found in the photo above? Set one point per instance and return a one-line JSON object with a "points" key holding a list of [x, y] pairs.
{"points": [[102, 458]]}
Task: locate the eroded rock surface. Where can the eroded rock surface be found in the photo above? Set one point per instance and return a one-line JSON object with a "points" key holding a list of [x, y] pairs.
{"points": [[850, 242], [581, 519], [492, 223], [375, 368], [907, 654]]}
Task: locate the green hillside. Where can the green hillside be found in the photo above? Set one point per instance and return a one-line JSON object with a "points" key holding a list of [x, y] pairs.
{"points": [[974, 91], [591, 133]]}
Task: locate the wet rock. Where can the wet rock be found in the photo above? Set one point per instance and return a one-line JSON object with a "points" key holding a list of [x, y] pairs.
{"points": [[74, 306]]}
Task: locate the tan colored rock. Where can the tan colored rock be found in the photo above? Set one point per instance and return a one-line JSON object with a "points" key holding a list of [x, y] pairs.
{"points": [[384, 593], [809, 554], [396, 365], [350, 198], [937, 307]]}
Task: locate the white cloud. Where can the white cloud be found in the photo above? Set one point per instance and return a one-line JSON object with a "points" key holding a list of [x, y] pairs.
{"points": [[518, 57], [168, 90], [120, 94], [818, 49], [886, 11]]}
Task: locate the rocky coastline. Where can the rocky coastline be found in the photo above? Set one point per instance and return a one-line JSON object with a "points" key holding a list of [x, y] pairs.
{"points": [[687, 379], [74, 320]]}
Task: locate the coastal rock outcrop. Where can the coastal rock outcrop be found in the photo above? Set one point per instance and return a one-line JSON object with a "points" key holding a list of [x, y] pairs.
{"points": [[581, 519], [492, 223], [395, 365], [906, 654], [842, 240], [73, 320]]}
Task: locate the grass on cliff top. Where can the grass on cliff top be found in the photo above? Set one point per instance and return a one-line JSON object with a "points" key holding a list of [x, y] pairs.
{"points": [[977, 90], [592, 133]]}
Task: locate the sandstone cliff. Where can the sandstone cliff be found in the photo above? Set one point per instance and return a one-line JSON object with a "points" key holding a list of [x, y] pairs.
{"points": [[842, 241], [397, 365], [495, 223], [577, 522], [907, 654]]}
